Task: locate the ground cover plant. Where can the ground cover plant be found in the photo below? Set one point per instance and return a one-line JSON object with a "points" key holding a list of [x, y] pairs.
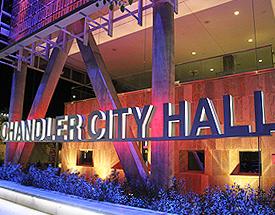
{"points": [[215, 200]]}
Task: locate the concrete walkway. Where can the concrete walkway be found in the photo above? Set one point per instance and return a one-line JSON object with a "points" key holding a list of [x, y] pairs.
{"points": [[49, 202], [10, 208]]}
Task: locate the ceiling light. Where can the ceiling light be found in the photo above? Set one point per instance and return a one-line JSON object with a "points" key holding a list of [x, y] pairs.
{"points": [[236, 13], [212, 70], [260, 61], [194, 53], [74, 96]]}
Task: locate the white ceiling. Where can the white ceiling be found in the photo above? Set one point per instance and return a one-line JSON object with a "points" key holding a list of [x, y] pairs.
{"points": [[209, 28]]}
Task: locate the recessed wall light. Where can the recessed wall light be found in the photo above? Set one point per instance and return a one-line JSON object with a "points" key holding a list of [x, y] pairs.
{"points": [[260, 61], [250, 40], [236, 13], [193, 53], [212, 70]]}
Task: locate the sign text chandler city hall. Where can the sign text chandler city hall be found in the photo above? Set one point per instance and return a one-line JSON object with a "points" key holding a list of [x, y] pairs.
{"points": [[71, 128]]}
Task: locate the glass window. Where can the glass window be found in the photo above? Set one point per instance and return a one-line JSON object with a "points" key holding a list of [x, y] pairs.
{"points": [[144, 149], [250, 162], [196, 160], [85, 158]]}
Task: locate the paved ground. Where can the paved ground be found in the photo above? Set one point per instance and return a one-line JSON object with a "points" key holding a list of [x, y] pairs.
{"points": [[10, 208], [57, 203]]}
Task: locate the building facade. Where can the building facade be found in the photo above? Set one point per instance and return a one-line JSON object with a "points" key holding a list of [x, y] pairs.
{"points": [[134, 53], [223, 160]]}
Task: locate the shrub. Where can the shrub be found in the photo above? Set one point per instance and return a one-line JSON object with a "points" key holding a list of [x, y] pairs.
{"points": [[174, 202], [233, 200], [267, 198], [215, 200], [12, 172]]}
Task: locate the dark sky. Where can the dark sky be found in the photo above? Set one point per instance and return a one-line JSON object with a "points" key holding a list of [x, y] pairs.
{"points": [[62, 93], [5, 85]]}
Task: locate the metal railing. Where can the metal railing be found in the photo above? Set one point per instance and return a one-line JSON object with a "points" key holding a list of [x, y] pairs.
{"points": [[5, 19]]}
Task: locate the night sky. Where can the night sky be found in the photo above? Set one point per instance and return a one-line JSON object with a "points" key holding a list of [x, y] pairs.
{"points": [[62, 93]]}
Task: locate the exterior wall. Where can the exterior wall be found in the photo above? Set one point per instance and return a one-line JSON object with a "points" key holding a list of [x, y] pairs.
{"points": [[104, 155], [221, 155], [41, 154], [2, 152], [29, 16]]}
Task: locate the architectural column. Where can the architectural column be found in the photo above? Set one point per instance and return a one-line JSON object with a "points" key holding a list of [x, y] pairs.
{"points": [[44, 94], [16, 105], [163, 89], [128, 152]]}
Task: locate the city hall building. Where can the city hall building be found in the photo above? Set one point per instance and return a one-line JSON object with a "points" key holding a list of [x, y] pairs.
{"points": [[164, 88]]}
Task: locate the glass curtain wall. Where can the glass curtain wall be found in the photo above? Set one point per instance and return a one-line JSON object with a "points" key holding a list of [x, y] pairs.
{"points": [[211, 40]]}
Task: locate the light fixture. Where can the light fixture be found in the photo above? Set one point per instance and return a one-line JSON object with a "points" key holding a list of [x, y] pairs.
{"points": [[260, 61], [236, 13], [74, 96], [193, 53], [212, 70], [250, 40]]}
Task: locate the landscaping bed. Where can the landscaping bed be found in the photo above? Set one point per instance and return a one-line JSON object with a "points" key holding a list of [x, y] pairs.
{"points": [[215, 200]]}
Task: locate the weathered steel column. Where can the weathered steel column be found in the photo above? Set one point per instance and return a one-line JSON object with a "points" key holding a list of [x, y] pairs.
{"points": [[128, 152], [44, 94], [16, 105], [163, 89]]}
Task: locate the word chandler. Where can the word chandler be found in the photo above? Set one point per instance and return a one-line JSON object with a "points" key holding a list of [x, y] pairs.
{"points": [[75, 128]]}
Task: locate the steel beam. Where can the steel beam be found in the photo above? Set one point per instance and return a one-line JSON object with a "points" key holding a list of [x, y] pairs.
{"points": [[163, 89], [44, 94], [65, 22], [128, 152], [16, 105]]}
